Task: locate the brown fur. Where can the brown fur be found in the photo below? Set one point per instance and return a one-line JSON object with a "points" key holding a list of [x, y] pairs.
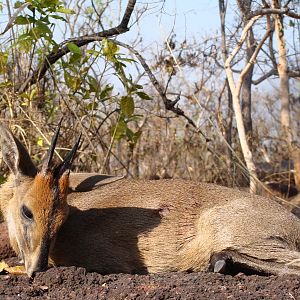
{"points": [[50, 209], [108, 224]]}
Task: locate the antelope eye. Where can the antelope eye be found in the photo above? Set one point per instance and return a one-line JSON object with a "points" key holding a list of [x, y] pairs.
{"points": [[26, 213]]}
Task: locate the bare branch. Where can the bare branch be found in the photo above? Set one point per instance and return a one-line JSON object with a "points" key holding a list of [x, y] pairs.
{"points": [[291, 74], [264, 77], [169, 104], [293, 15], [13, 18], [240, 44], [252, 60], [54, 56], [287, 3], [279, 11]]}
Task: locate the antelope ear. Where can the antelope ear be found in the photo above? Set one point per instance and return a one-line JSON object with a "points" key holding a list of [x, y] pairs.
{"points": [[15, 155]]}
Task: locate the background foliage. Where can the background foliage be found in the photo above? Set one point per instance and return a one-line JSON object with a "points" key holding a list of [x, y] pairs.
{"points": [[130, 125]]}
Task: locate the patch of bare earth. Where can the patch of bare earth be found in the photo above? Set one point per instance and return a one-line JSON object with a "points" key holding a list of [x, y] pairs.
{"points": [[76, 283]]}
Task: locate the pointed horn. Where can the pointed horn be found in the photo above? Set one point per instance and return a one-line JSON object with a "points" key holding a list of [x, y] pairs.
{"points": [[47, 162], [67, 163]]}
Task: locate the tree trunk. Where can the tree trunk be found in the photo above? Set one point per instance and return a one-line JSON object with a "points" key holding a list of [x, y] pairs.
{"points": [[284, 91], [236, 92], [245, 8], [246, 89], [243, 138], [228, 130]]}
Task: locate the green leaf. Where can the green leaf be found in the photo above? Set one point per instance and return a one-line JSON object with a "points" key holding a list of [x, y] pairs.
{"points": [[20, 20], [71, 81], [75, 58], [109, 49], [43, 29], [89, 10], [138, 87], [3, 62], [136, 136], [65, 10], [127, 106], [143, 96], [93, 84], [87, 95], [58, 18], [132, 137], [106, 91], [74, 48], [25, 42], [92, 106], [18, 4], [119, 130], [129, 134], [130, 60]]}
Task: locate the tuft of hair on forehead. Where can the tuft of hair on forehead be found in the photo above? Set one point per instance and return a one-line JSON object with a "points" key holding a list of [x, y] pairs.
{"points": [[47, 186], [42, 187]]}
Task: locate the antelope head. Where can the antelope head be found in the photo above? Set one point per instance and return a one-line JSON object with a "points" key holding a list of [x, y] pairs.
{"points": [[39, 205]]}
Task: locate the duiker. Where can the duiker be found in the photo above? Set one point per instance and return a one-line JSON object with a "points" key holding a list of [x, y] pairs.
{"points": [[134, 226]]}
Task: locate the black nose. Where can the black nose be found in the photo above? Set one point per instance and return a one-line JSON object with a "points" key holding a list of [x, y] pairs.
{"points": [[43, 267], [42, 263]]}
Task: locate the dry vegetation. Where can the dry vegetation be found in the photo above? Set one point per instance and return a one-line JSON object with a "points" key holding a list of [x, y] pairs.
{"points": [[104, 92]]}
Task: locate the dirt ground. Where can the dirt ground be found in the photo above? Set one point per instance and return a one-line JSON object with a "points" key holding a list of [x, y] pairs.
{"points": [[76, 283]]}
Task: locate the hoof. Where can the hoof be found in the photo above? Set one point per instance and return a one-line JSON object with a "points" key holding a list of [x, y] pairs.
{"points": [[220, 266]]}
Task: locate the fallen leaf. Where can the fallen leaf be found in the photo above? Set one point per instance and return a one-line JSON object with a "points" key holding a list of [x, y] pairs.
{"points": [[3, 266], [17, 270]]}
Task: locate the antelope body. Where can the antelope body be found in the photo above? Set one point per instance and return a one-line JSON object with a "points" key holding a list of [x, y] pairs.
{"points": [[108, 224]]}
